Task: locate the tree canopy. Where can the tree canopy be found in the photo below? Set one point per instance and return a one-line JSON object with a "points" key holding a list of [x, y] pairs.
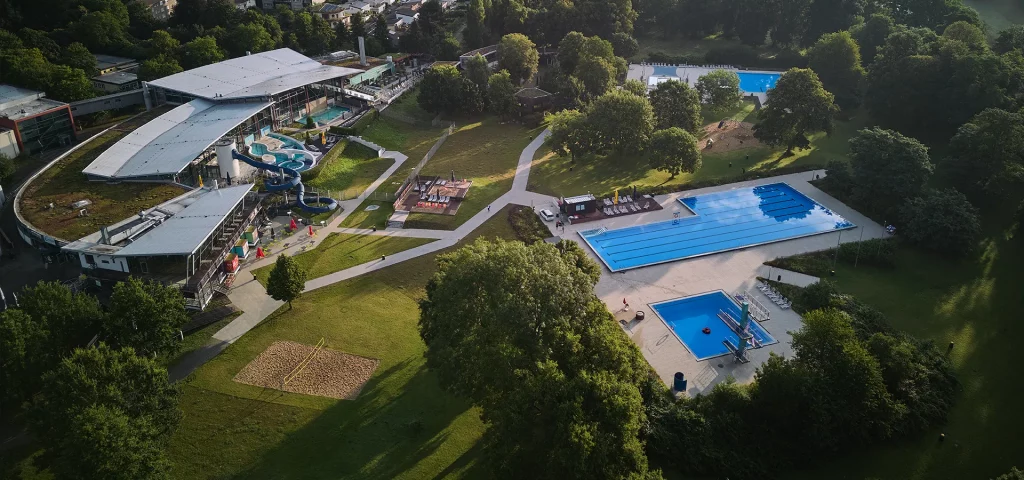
{"points": [[146, 316], [798, 106], [620, 121], [519, 56], [518, 330], [987, 154], [287, 280], [570, 133], [943, 221], [836, 60], [501, 95], [675, 151], [719, 89], [677, 105], [888, 168]]}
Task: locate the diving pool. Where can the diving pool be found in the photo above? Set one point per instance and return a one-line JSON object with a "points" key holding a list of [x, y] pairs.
{"points": [[751, 82], [326, 116], [727, 220], [688, 316]]}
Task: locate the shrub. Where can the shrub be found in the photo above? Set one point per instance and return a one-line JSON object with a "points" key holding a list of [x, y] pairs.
{"points": [[527, 226], [942, 221], [817, 295], [838, 180], [6, 168], [686, 59], [785, 60], [736, 55]]}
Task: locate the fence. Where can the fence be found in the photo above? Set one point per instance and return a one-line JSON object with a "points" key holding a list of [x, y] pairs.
{"points": [[426, 158]]}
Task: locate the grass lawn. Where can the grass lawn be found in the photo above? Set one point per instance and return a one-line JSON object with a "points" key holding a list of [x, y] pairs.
{"points": [[483, 151], [600, 175], [679, 46], [402, 425], [340, 251], [408, 106], [366, 219], [348, 169], [197, 339], [64, 184]]}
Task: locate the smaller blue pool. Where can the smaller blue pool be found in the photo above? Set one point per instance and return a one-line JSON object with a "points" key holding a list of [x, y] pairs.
{"points": [[325, 116], [258, 149], [757, 82], [288, 142], [688, 316]]}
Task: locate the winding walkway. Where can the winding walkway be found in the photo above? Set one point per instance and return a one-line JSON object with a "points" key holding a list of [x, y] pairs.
{"points": [[256, 305]]}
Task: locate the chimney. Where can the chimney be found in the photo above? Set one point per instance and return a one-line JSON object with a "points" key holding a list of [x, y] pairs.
{"points": [[362, 51]]}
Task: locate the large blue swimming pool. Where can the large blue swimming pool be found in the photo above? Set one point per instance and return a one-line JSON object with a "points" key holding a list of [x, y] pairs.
{"points": [[726, 220], [757, 82], [687, 317]]}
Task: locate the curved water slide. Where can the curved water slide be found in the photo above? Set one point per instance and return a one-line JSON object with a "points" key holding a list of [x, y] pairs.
{"points": [[288, 179]]}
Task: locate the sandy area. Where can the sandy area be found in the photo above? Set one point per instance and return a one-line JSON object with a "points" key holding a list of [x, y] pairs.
{"points": [[330, 373], [732, 136]]}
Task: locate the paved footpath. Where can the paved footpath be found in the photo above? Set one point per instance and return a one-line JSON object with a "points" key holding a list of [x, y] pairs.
{"points": [[256, 305]]}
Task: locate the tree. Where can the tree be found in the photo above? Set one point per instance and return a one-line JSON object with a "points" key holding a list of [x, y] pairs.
{"points": [[501, 94], [636, 87], [519, 56], [441, 89], [71, 319], [677, 105], [797, 107], [674, 150], [836, 60], [625, 45], [314, 33], [69, 84], [543, 359], [569, 50], [102, 31], [431, 18], [943, 221], [969, 34], [1010, 39], [719, 89], [7, 168], [287, 280], [146, 316], [77, 56], [829, 16], [570, 133], [475, 33], [887, 168], [38, 39], [871, 35], [1013, 474], [357, 28], [476, 69], [597, 75], [447, 47], [380, 32], [91, 401], [620, 121], [987, 154], [158, 67], [248, 38], [162, 43], [24, 354], [201, 51], [342, 37]]}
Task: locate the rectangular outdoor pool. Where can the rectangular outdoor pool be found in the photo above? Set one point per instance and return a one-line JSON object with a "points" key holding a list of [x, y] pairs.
{"points": [[688, 316], [751, 82], [327, 115], [723, 221]]}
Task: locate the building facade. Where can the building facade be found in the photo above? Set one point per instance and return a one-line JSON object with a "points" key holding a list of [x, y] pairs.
{"points": [[38, 123]]}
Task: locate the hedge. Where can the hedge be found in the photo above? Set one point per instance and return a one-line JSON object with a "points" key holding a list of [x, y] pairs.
{"points": [[527, 226], [360, 125], [713, 182]]}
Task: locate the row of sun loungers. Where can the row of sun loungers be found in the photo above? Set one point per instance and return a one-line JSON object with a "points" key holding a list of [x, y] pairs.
{"points": [[435, 198], [623, 199], [625, 208], [774, 295]]}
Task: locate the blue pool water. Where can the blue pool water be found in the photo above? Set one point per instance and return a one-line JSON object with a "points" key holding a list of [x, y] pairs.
{"points": [[757, 82], [258, 149], [325, 116], [724, 221], [294, 162], [688, 316], [288, 142]]}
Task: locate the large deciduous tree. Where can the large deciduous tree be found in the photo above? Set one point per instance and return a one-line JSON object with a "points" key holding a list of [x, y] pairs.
{"points": [[621, 121], [871, 35], [501, 95], [287, 280], [570, 133], [719, 89], [518, 330], [519, 56], [797, 107], [677, 105], [201, 51], [475, 33], [1010, 39], [836, 60], [477, 71], [158, 67], [943, 221], [146, 316], [888, 168], [105, 413], [987, 154], [675, 151]]}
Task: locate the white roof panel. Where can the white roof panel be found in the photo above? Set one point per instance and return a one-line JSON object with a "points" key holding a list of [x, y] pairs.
{"points": [[186, 231], [260, 74], [169, 142]]}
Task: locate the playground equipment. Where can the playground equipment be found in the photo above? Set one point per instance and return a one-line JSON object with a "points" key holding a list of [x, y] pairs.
{"points": [[302, 365], [287, 179]]}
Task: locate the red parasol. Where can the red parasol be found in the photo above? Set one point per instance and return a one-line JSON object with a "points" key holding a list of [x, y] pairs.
{"points": [[311, 231], [259, 252], [293, 226]]}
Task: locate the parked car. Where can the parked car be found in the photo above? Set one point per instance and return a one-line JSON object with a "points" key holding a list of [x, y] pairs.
{"points": [[546, 215]]}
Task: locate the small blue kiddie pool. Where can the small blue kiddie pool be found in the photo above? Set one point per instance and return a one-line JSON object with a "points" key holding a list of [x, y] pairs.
{"points": [[705, 323]]}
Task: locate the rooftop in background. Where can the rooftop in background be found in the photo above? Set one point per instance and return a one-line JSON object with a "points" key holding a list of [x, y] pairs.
{"points": [[168, 143], [258, 75], [482, 51], [581, 198], [176, 227], [116, 78], [106, 62], [532, 92], [17, 103]]}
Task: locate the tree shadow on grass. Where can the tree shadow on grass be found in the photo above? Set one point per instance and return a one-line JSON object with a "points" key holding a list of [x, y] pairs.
{"points": [[398, 420]]}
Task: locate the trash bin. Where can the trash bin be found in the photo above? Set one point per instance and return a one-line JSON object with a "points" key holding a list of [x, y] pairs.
{"points": [[679, 384]]}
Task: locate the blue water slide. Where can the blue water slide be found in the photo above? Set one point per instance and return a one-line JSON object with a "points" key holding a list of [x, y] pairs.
{"points": [[288, 179]]}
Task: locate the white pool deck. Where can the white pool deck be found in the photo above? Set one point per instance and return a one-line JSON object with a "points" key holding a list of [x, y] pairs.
{"points": [[688, 74], [731, 271]]}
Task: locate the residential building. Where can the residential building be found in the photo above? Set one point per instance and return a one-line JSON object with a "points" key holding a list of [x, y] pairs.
{"points": [[114, 82], [38, 123], [8, 144], [161, 9], [109, 63], [192, 242], [333, 13], [406, 14], [244, 5]]}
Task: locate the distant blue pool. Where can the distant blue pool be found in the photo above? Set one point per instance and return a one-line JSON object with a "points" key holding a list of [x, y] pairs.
{"points": [[757, 82], [726, 220], [325, 116], [688, 316]]}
